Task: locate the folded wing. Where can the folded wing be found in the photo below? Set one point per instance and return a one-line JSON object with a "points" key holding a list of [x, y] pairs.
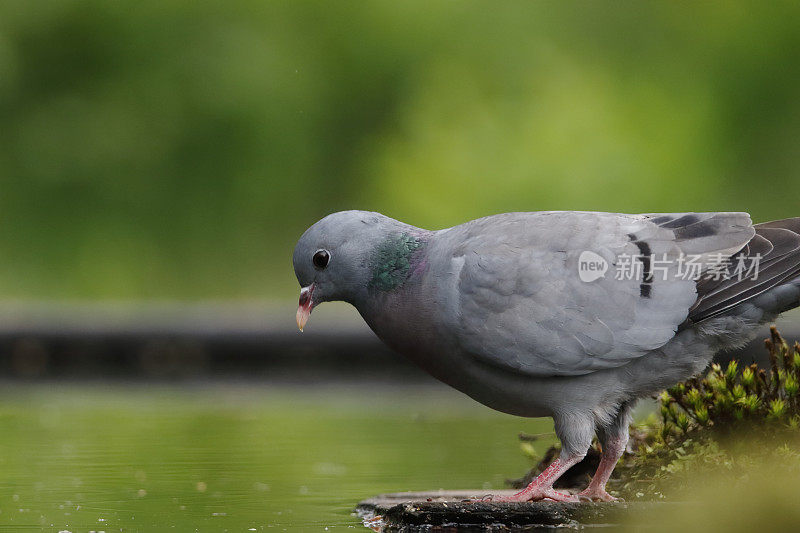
{"points": [[523, 305]]}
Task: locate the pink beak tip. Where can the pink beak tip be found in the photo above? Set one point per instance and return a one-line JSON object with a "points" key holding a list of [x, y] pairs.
{"points": [[304, 306]]}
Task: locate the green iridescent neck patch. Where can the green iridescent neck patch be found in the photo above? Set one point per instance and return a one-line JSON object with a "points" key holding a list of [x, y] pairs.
{"points": [[391, 261]]}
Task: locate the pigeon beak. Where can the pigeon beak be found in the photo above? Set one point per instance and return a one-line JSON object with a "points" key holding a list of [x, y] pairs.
{"points": [[305, 306]]}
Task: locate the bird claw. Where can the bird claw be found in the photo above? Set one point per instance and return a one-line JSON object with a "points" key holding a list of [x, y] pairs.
{"points": [[596, 495], [558, 496], [531, 496]]}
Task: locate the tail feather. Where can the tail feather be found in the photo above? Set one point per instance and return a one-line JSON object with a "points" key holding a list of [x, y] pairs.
{"points": [[778, 246]]}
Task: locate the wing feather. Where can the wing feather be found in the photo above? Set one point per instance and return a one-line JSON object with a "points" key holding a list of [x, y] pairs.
{"points": [[522, 305], [777, 245]]}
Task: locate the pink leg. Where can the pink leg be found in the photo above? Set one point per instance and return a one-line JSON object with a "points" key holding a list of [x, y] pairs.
{"points": [[612, 451], [542, 487]]}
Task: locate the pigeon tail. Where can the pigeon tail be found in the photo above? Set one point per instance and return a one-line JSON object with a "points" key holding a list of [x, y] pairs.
{"points": [[776, 249]]}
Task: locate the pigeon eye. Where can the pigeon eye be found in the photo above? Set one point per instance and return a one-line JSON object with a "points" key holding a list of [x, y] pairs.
{"points": [[321, 258]]}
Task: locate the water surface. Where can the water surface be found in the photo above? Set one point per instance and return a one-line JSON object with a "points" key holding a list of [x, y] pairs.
{"points": [[238, 457]]}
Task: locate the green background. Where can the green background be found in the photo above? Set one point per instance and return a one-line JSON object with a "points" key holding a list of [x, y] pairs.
{"points": [[165, 149], [176, 150]]}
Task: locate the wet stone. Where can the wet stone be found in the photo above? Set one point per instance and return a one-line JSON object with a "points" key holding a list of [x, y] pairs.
{"points": [[447, 511]]}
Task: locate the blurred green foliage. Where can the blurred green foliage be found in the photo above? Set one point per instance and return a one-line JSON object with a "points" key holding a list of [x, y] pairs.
{"points": [[175, 149]]}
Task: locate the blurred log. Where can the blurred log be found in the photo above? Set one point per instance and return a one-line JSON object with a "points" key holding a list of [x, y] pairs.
{"points": [[188, 341]]}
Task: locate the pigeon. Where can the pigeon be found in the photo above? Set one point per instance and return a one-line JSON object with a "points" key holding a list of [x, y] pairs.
{"points": [[569, 315]]}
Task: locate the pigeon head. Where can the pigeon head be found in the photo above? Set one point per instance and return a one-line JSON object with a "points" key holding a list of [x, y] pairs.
{"points": [[332, 258]]}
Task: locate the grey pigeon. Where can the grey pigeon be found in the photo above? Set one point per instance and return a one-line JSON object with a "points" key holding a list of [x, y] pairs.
{"points": [[572, 315]]}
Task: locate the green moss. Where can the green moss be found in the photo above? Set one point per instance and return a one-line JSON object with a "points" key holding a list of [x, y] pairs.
{"points": [[719, 424], [726, 399]]}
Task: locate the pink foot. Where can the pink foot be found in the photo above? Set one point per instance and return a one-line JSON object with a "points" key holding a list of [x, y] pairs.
{"points": [[534, 495], [554, 495], [597, 495], [541, 488]]}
